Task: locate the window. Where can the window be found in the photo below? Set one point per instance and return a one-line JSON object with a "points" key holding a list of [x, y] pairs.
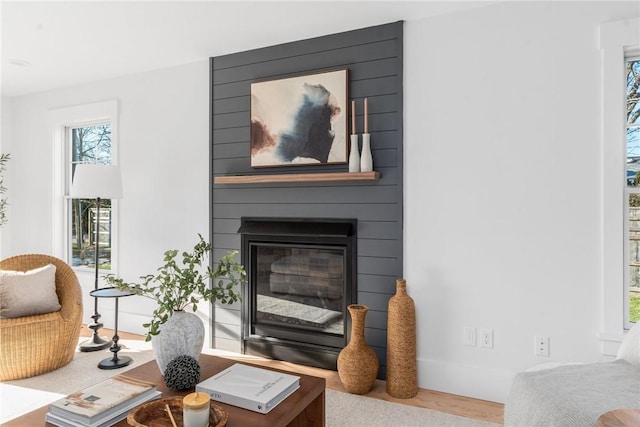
{"points": [[83, 134], [632, 189], [618, 189], [89, 144]]}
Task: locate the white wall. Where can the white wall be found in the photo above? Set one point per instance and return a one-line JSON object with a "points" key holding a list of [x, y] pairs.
{"points": [[502, 182], [163, 155]]}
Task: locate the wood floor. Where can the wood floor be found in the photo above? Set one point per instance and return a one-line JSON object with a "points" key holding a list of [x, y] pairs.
{"points": [[437, 401]]}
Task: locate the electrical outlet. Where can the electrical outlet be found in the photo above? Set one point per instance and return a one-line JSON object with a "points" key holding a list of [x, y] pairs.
{"points": [[469, 336], [486, 338], [541, 346]]}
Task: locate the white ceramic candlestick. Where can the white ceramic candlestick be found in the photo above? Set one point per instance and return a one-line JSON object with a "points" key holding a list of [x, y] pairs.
{"points": [[366, 160], [354, 155]]}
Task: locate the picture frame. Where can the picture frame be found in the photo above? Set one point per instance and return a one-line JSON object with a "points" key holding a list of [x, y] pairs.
{"points": [[300, 120]]}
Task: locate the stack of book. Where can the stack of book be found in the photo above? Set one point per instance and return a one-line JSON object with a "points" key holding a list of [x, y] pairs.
{"points": [[101, 405], [250, 387]]}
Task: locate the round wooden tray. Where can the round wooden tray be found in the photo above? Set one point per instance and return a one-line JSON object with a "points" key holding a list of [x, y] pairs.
{"points": [[154, 414]]}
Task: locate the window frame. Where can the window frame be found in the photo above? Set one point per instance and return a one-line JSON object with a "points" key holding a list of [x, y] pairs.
{"points": [[615, 38], [61, 122], [630, 54]]}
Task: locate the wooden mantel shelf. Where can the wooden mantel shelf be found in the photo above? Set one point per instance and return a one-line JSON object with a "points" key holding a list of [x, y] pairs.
{"points": [[297, 177]]}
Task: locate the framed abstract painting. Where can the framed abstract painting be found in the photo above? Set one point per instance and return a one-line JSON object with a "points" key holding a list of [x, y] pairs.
{"points": [[300, 120]]}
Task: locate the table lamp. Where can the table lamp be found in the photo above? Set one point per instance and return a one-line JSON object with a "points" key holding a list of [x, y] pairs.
{"points": [[93, 181]]}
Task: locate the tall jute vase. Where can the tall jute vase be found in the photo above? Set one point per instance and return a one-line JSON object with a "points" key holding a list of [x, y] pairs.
{"points": [[357, 363], [402, 381]]}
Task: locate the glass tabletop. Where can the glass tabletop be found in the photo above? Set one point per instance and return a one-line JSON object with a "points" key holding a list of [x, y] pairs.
{"points": [[110, 292]]}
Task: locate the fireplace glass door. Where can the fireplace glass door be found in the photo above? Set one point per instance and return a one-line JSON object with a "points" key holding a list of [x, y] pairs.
{"points": [[299, 289]]}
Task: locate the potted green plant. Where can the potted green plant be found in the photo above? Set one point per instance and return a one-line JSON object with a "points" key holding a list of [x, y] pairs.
{"points": [[177, 286]]}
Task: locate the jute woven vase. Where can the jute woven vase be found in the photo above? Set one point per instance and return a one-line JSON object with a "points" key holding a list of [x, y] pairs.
{"points": [[357, 363], [402, 381]]}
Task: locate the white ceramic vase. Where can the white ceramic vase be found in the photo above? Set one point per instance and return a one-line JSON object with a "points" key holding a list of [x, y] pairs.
{"points": [[366, 160], [182, 334], [354, 155]]}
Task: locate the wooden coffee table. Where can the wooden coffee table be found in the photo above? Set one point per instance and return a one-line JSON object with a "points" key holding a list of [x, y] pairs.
{"points": [[304, 408]]}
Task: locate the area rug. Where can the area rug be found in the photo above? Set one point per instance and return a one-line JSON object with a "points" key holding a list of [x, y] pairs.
{"points": [[18, 397], [350, 410]]}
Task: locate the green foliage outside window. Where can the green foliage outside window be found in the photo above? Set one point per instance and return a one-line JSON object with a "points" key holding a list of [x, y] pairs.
{"points": [[634, 309]]}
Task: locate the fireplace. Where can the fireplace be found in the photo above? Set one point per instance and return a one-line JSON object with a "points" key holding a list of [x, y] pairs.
{"points": [[301, 278]]}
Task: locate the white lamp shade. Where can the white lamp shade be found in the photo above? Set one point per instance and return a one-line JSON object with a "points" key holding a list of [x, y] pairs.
{"points": [[96, 181]]}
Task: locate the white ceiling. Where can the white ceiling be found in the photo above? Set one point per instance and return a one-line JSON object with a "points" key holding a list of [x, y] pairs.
{"points": [[52, 44]]}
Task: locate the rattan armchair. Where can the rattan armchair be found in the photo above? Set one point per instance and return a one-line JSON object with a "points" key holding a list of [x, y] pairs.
{"points": [[34, 345]]}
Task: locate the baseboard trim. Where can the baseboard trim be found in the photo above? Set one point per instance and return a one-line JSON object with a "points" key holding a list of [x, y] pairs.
{"points": [[465, 380]]}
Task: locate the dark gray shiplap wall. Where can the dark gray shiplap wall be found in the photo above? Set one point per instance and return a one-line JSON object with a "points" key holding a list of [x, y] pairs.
{"points": [[374, 58]]}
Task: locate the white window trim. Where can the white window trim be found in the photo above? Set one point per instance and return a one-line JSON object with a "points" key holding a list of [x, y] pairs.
{"points": [[614, 38], [60, 120]]}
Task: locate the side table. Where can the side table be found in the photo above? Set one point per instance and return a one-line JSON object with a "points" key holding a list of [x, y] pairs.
{"points": [[620, 418], [115, 362]]}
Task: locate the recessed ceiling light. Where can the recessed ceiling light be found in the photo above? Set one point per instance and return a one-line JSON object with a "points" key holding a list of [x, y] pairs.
{"points": [[19, 62]]}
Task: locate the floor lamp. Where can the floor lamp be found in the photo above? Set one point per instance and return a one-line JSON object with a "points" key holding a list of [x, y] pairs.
{"points": [[98, 182]]}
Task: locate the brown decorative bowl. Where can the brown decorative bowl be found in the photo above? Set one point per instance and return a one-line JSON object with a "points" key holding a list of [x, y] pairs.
{"points": [[154, 414]]}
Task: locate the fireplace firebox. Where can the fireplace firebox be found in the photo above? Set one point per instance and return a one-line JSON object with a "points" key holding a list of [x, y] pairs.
{"points": [[301, 278]]}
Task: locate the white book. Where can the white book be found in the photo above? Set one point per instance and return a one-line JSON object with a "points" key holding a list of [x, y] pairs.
{"points": [[250, 387], [62, 422], [95, 405]]}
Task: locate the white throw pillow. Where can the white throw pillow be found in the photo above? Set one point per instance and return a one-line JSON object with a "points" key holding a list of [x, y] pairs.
{"points": [[24, 293], [630, 348]]}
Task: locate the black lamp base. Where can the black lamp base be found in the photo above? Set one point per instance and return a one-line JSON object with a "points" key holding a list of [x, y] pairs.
{"points": [[95, 343], [115, 362]]}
